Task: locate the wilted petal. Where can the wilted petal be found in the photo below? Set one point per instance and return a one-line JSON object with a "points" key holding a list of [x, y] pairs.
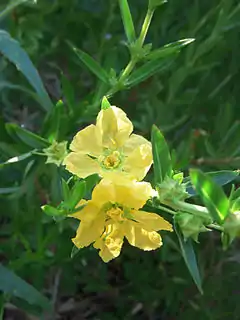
{"points": [[114, 126], [110, 243], [141, 238], [151, 221], [87, 141], [81, 164]]}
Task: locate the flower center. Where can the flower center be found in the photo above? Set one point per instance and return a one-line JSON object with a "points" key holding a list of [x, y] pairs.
{"points": [[111, 161], [116, 214]]}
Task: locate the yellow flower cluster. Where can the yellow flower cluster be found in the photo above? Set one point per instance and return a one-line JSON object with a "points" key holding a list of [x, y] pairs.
{"points": [[122, 159]]}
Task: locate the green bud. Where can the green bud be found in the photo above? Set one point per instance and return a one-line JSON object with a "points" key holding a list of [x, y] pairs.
{"points": [[56, 152], [232, 225], [190, 225], [57, 214], [172, 189]]}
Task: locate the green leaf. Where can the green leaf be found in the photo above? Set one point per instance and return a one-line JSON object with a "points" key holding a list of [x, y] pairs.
{"points": [[29, 138], [91, 181], [105, 103], [147, 70], [12, 5], [219, 177], [169, 49], [13, 285], [74, 251], [17, 158], [65, 190], [51, 211], [127, 21], [53, 122], [9, 190], [11, 49], [161, 156], [68, 92], [189, 258], [92, 64], [155, 3], [77, 193], [211, 194]]}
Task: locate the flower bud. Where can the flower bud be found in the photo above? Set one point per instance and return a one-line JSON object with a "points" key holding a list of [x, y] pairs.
{"points": [[190, 225], [56, 152]]}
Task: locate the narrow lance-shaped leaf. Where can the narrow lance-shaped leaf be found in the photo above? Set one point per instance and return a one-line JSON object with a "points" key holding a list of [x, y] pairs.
{"points": [[76, 194], [17, 158], [13, 285], [65, 190], [29, 138], [11, 6], [11, 49], [91, 64], [219, 177], [9, 190], [161, 156], [168, 49], [127, 21], [147, 70], [189, 258], [211, 194]]}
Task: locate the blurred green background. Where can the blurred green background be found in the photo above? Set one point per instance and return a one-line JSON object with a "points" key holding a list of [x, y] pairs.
{"points": [[195, 103]]}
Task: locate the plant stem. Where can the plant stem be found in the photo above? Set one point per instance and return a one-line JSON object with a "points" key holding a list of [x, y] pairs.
{"points": [[127, 70], [145, 26], [199, 211], [214, 226]]}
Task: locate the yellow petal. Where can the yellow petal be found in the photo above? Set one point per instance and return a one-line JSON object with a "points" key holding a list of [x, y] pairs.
{"points": [[151, 221], [133, 142], [87, 141], [110, 243], [88, 213], [141, 238], [115, 127], [139, 161], [89, 230], [131, 194], [81, 164]]}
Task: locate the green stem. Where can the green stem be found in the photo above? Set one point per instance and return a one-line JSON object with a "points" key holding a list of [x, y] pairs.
{"points": [[145, 26], [127, 70], [190, 208], [214, 226]]}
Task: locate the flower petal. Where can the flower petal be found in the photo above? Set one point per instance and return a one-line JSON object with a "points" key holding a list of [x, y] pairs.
{"points": [[151, 221], [87, 141], [132, 194], [103, 193], [110, 243], [88, 213], [89, 230], [141, 238], [139, 161], [114, 126], [81, 164], [133, 142]]}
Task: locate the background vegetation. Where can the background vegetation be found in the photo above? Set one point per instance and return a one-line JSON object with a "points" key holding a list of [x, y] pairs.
{"points": [[193, 100]]}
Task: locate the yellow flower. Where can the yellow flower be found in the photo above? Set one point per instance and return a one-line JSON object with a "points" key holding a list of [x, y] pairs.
{"points": [[113, 213], [109, 147]]}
